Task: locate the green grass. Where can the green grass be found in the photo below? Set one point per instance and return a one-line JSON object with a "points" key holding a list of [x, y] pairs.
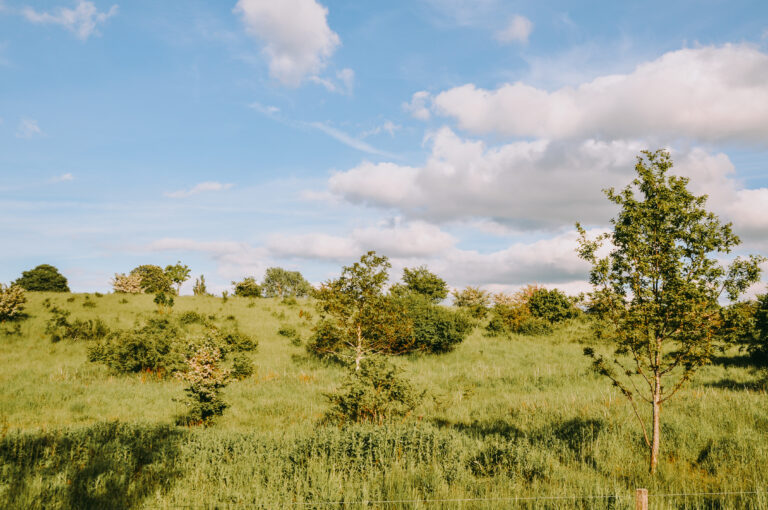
{"points": [[503, 418]]}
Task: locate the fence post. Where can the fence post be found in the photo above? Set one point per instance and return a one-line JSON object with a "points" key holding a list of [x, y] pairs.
{"points": [[641, 499]]}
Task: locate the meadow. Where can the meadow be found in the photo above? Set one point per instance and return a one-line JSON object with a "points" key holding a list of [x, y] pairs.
{"points": [[503, 420]]}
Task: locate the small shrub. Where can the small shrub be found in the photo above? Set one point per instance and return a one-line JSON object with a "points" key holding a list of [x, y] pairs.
{"points": [[376, 393], [164, 303], [234, 340], [206, 380], [199, 288], [474, 300], [59, 328], [98, 294], [242, 367], [551, 305], [435, 329], [127, 284], [192, 317], [12, 301], [247, 288], [71, 299], [123, 301], [88, 303]]}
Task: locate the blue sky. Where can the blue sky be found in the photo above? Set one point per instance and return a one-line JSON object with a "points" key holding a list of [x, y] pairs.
{"points": [[465, 135]]}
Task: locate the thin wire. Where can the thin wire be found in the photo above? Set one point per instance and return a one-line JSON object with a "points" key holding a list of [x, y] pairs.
{"points": [[703, 494]]}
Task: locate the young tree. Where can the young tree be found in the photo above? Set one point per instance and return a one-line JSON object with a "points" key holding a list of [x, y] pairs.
{"points": [[177, 274], [474, 300], [12, 301], [199, 288], [44, 277], [127, 284], [659, 287], [357, 318], [420, 280], [279, 282]]}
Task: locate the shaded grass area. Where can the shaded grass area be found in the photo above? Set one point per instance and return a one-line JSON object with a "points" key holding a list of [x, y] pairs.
{"points": [[519, 417]]}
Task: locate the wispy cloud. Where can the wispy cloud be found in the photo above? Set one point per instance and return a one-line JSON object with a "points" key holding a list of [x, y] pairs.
{"points": [[388, 127], [518, 30], [28, 128], [82, 20], [63, 178], [199, 188]]}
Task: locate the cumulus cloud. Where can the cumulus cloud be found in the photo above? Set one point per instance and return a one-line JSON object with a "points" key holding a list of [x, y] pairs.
{"points": [[82, 21], [28, 128], [418, 105], [709, 93], [518, 30], [538, 185], [297, 39], [234, 259], [394, 239], [199, 188]]}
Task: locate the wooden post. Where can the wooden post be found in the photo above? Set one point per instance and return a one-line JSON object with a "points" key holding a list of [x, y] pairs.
{"points": [[641, 499]]}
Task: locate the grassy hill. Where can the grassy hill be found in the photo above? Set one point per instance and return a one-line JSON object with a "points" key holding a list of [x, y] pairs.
{"points": [[502, 418]]}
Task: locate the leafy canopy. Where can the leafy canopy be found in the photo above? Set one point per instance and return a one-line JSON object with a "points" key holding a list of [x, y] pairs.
{"points": [[279, 282], [44, 277], [423, 282]]}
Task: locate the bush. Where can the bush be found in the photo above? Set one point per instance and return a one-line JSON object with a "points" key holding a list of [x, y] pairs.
{"points": [[435, 328], [424, 283], [552, 305], [206, 380], [43, 278], [242, 367], [374, 394], [474, 300], [279, 282], [153, 279], [247, 287], [12, 301], [127, 284], [164, 303], [59, 328]]}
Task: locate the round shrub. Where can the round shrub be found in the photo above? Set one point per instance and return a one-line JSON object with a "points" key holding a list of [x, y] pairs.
{"points": [[44, 277]]}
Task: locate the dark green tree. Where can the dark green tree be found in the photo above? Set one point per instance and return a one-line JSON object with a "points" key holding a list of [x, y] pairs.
{"points": [[153, 279], [421, 281], [552, 305], [659, 287], [247, 287], [177, 274], [279, 282], [44, 277]]}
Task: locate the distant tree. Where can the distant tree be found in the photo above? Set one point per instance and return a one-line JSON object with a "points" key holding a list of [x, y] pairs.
{"points": [[127, 284], [421, 281], [177, 274], [551, 305], [247, 287], [200, 289], [44, 277], [12, 301], [659, 287], [474, 300], [153, 279], [279, 282], [206, 380], [357, 318]]}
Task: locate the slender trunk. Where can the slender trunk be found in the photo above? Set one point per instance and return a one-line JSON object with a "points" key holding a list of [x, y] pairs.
{"points": [[359, 348], [655, 438]]}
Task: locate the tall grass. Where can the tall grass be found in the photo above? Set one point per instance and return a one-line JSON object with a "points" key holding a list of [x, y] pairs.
{"points": [[520, 417]]}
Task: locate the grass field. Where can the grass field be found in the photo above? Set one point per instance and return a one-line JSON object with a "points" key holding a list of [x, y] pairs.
{"points": [[503, 418]]}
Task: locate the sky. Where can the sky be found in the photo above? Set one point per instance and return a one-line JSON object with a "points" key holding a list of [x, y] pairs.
{"points": [[466, 135]]}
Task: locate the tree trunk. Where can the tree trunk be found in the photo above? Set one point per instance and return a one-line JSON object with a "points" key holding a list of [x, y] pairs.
{"points": [[655, 438], [359, 348]]}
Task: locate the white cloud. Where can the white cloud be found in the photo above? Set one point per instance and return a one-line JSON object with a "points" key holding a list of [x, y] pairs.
{"points": [[234, 259], [64, 177], [518, 30], [348, 140], [708, 93], [200, 188], [394, 239], [267, 110], [82, 20], [418, 105], [536, 185], [28, 128], [297, 39], [465, 12], [345, 84]]}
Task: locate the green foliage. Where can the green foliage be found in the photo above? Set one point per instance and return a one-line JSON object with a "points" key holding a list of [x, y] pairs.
{"points": [[242, 367], [474, 300], [511, 314], [12, 301], [44, 277], [551, 305], [660, 285], [436, 329], [206, 380], [177, 274], [153, 279], [164, 303], [421, 281], [746, 325], [247, 287], [279, 282], [199, 289], [357, 319], [374, 394], [60, 328]]}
